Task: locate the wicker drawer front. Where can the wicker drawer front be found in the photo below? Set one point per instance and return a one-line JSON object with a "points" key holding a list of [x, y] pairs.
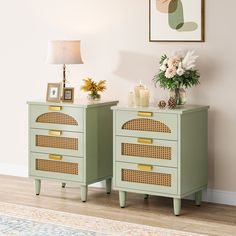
{"points": [[57, 117], [66, 143], [146, 124], [56, 166], [146, 150], [154, 179]]}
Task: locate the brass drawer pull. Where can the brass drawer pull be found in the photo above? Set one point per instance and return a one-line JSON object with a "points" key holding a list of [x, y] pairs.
{"points": [[55, 157], [145, 114], [55, 132], [145, 140], [55, 108], [145, 167]]}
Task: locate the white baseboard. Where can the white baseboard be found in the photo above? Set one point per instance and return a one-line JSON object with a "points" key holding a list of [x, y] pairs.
{"points": [[13, 170], [99, 184], [209, 195], [217, 196]]}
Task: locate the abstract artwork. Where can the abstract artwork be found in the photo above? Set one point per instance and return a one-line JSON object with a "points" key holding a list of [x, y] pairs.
{"points": [[176, 20]]}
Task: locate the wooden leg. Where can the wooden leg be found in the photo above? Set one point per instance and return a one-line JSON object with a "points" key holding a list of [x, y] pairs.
{"points": [[108, 186], [37, 186], [83, 192], [63, 185], [198, 198], [122, 197], [146, 196], [177, 206]]}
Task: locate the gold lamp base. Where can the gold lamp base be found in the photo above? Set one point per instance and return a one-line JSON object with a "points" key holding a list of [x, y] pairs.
{"points": [[64, 76]]}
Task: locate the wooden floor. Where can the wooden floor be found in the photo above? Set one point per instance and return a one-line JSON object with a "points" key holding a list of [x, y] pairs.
{"points": [[211, 219]]}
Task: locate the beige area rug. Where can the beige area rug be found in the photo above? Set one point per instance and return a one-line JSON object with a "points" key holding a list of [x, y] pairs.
{"points": [[30, 221]]}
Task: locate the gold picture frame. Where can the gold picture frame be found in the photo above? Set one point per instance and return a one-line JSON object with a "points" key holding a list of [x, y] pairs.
{"points": [[68, 95], [53, 92]]}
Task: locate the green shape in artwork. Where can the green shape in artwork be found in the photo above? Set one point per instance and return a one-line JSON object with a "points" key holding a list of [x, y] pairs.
{"points": [[176, 18], [188, 26]]}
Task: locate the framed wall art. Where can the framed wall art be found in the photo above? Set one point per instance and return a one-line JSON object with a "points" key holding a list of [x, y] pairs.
{"points": [[53, 92], [176, 20]]}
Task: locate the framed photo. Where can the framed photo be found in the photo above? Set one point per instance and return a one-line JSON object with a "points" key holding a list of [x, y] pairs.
{"points": [[68, 95], [54, 92], [176, 20]]}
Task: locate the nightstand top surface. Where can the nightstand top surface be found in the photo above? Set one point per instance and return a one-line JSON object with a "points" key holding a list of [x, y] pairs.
{"points": [[76, 103], [179, 110]]}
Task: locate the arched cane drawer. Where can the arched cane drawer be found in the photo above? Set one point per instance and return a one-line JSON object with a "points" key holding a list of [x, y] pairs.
{"points": [[57, 117], [147, 124]]}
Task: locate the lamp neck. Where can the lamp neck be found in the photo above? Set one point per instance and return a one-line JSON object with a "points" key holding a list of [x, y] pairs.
{"points": [[64, 76]]}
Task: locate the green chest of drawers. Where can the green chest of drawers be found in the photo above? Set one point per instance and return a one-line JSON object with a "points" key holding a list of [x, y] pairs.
{"points": [[71, 143], [160, 152]]}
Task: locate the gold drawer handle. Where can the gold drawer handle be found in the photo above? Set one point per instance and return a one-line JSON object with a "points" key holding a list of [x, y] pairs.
{"points": [[145, 114], [145, 167], [145, 140], [55, 108], [55, 132], [55, 157]]}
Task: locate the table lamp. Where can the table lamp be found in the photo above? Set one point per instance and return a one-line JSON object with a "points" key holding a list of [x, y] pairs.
{"points": [[64, 52]]}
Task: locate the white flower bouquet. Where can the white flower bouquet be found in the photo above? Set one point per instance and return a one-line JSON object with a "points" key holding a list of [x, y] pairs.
{"points": [[177, 71]]}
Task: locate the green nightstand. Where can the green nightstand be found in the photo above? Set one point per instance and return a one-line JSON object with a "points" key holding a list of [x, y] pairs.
{"points": [[71, 143], [160, 152]]}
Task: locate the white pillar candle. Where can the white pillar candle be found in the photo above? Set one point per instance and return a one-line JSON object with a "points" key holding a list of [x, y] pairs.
{"points": [[144, 97], [131, 101], [137, 90]]}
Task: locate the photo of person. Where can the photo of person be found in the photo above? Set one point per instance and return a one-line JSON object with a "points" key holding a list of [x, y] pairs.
{"points": [[68, 95], [53, 92]]}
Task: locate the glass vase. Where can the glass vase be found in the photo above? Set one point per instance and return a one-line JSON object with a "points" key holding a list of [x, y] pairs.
{"points": [[179, 94], [94, 96]]}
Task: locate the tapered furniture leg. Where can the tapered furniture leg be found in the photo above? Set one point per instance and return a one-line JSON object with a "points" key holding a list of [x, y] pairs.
{"points": [[198, 198], [177, 206], [63, 185], [108, 186], [146, 196], [122, 198], [83, 192], [37, 186]]}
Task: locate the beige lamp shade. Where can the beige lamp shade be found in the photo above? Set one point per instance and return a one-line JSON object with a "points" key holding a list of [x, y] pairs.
{"points": [[64, 52]]}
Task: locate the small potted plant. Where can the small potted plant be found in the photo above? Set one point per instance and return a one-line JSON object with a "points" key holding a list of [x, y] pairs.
{"points": [[177, 73], [94, 88]]}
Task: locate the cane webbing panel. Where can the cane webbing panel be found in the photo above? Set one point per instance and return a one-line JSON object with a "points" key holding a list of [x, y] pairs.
{"points": [[56, 142], [146, 177], [57, 166], [146, 125], [139, 150], [56, 118]]}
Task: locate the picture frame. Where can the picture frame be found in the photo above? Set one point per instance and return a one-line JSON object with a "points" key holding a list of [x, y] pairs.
{"points": [[177, 20], [53, 92], [68, 94]]}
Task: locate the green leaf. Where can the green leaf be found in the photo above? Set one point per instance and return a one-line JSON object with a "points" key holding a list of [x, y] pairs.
{"points": [[188, 79], [163, 57]]}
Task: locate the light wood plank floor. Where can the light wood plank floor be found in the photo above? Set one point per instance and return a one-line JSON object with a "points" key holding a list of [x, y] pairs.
{"points": [[211, 219]]}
